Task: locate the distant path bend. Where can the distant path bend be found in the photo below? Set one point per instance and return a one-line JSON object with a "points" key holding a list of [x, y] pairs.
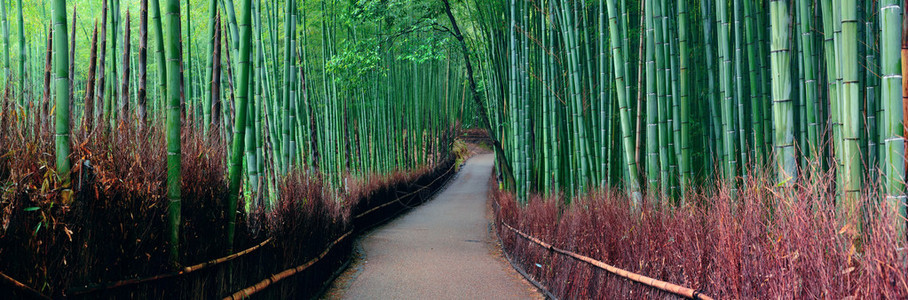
{"points": [[440, 250]]}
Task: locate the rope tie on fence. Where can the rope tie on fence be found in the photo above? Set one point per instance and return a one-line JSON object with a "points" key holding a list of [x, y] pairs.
{"points": [[644, 280]]}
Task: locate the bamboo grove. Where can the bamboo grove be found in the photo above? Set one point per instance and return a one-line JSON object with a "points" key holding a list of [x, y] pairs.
{"points": [[667, 97], [318, 87], [661, 99]]}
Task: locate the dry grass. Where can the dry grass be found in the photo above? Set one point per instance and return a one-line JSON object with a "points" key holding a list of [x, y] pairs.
{"points": [[761, 245], [114, 229], [109, 231]]}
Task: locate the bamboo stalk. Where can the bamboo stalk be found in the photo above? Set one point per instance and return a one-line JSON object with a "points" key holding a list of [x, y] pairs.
{"points": [[88, 117], [103, 108], [892, 84], [239, 130], [21, 53], [173, 124], [782, 106], [124, 83], [62, 100], [141, 98], [215, 84], [48, 68], [851, 106], [72, 55], [627, 140]]}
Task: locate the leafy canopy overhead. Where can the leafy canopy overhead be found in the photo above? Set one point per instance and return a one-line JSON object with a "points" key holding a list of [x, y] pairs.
{"points": [[409, 28]]}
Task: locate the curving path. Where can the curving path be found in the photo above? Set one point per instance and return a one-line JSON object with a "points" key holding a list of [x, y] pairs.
{"points": [[440, 250]]}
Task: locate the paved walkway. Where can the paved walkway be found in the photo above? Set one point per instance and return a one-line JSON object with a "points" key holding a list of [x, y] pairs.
{"points": [[440, 250]]}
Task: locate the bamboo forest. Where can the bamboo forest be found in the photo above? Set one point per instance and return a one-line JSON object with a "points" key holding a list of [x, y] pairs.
{"points": [[453, 149]]}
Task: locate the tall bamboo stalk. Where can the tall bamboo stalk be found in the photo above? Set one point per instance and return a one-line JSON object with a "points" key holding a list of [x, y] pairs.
{"points": [[88, 118], [810, 79], [211, 40], [22, 52], [141, 98], [174, 153], [158, 43], [726, 94], [215, 83], [624, 111], [686, 173], [652, 133], [61, 84], [712, 91], [124, 83], [851, 105], [113, 96], [72, 56], [6, 74], [235, 169], [103, 108], [891, 34], [285, 163], [48, 69], [782, 106]]}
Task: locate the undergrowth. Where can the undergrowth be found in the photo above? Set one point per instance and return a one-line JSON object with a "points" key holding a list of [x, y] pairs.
{"points": [[761, 244], [113, 229]]}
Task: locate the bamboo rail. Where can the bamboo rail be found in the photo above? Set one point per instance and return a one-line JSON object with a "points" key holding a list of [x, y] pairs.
{"points": [[261, 285], [265, 283], [21, 286], [644, 280], [407, 194], [225, 258], [183, 271], [186, 270]]}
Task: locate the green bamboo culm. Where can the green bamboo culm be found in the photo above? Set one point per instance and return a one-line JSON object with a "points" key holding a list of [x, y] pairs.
{"points": [[627, 140], [726, 96], [206, 104], [851, 107], [652, 109], [235, 170], [833, 97], [160, 57], [61, 84], [805, 16], [890, 99], [285, 158], [172, 19], [686, 172], [21, 52], [6, 71], [782, 105]]}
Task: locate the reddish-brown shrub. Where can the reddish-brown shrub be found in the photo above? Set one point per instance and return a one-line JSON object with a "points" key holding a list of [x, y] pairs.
{"points": [[114, 228], [764, 243]]}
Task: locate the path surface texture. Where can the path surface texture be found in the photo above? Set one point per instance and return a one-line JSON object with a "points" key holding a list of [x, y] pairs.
{"points": [[440, 250]]}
